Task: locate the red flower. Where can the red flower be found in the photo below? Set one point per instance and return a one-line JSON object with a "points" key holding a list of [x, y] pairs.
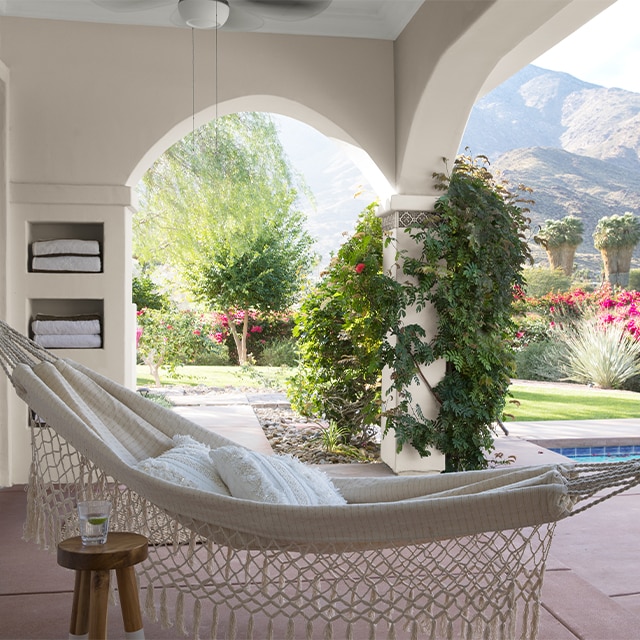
{"points": [[360, 267], [256, 329]]}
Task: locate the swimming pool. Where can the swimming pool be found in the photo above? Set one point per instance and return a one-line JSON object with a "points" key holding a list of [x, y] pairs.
{"points": [[600, 454]]}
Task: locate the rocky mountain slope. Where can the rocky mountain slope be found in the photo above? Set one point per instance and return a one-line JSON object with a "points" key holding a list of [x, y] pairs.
{"points": [[577, 145]]}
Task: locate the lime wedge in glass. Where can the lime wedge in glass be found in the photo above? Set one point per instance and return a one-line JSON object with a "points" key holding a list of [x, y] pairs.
{"points": [[98, 520]]}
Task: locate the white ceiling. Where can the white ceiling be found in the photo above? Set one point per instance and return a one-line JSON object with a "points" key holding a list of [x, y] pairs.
{"points": [[380, 19]]}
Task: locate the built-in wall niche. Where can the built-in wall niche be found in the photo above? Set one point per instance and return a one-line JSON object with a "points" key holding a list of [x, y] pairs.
{"points": [[65, 247], [72, 323]]}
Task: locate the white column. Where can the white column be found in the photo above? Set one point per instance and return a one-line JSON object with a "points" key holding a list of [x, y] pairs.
{"points": [[399, 214]]}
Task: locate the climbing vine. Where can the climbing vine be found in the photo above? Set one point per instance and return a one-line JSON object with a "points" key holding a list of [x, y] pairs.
{"points": [[471, 254]]}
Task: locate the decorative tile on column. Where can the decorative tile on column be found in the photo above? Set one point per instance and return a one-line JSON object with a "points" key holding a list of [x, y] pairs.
{"points": [[405, 219]]}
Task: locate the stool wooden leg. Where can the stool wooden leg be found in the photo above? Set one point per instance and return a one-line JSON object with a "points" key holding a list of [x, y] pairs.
{"points": [[80, 609], [130, 603], [98, 605]]}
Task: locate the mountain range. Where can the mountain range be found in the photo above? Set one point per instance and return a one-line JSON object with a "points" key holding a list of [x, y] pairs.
{"points": [[575, 144]]}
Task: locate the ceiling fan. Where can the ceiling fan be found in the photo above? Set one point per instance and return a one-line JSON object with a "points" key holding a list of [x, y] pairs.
{"points": [[233, 15]]}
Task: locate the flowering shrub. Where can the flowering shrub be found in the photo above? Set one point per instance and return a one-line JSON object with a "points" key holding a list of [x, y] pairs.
{"points": [[558, 309], [264, 329], [558, 319], [170, 338], [340, 328]]}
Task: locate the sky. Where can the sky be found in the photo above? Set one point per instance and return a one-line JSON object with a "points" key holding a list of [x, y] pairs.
{"points": [[605, 51]]}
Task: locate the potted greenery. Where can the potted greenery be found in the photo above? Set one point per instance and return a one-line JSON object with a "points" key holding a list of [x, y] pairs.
{"points": [[616, 237], [560, 239]]}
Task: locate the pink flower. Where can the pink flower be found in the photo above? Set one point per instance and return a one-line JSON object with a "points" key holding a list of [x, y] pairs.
{"points": [[218, 337], [256, 329], [196, 332], [360, 267]]}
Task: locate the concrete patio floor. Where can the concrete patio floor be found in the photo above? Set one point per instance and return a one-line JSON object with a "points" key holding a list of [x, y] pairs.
{"points": [[591, 589]]}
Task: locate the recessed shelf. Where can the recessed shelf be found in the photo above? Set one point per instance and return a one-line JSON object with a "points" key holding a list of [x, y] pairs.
{"points": [[74, 312], [69, 257]]}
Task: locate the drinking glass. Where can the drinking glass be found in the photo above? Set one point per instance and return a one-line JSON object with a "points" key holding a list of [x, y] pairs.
{"points": [[94, 521]]}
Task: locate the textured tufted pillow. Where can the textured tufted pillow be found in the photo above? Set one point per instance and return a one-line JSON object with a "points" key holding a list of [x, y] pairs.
{"points": [[276, 479], [187, 464]]}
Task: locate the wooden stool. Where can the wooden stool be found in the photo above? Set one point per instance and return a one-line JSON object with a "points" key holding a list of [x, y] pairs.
{"points": [[91, 593]]}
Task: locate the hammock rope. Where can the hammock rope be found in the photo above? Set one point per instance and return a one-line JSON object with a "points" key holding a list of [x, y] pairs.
{"points": [[444, 556]]}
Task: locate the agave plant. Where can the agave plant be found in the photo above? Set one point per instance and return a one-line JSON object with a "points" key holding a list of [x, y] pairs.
{"points": [[601, 354]]}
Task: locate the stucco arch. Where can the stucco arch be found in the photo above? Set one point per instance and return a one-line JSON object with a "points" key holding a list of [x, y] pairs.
{"points": [[280, 105], [434, 99]]}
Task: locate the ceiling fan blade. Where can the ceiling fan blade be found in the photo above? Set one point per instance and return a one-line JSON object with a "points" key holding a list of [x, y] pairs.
{"points": [[131, 5], [284, 10], [240, 20]]}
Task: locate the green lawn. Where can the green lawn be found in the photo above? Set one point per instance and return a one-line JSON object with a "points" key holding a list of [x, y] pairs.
{"points": [[222, 377], [546, 402], [536, 402]]}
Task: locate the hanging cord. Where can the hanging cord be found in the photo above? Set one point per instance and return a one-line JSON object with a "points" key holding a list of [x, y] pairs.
{"points": [[17, 349], [193, 89], [215, 86]]}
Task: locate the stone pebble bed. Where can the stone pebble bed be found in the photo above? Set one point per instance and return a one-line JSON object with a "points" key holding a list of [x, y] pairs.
{"points": [[290, 433], [287, 431]]}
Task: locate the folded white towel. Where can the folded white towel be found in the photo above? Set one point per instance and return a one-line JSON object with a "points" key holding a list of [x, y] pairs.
{"points": [[65, 327], [80, 264], [69, 342], [65, 246]]}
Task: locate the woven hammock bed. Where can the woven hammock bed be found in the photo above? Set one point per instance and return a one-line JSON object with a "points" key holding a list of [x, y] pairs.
{"points": [[458, 555]]}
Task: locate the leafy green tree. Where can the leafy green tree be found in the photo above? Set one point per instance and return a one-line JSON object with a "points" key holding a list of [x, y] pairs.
{"points": [[145, 294], [219, 206]]}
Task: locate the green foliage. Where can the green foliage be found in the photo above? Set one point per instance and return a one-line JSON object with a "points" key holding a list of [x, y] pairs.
{"points": [[472, 255], [145, 294], [555, 233], [217, 355], [616, 232], [539, 361], [598, 353], [340, 329], [220, 207], [634, 280], [540, 281], [279, 352], [169, 338]]}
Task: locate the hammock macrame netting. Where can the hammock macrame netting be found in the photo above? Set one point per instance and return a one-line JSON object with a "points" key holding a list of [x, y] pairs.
{"points": [[445, 556]]}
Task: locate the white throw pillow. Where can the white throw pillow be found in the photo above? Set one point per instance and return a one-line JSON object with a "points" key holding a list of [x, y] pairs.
{"points": [[187, 464], [276, 479]]}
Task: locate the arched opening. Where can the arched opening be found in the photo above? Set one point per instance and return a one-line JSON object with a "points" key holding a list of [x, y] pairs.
{"points": [[340, 190]]}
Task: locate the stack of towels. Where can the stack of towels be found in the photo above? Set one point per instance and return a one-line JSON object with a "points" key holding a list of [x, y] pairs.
{"points": [[65, 256], [67, 332]]}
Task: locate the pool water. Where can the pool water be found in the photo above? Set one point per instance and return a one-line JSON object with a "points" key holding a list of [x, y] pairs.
{"points": [[600, 454]]}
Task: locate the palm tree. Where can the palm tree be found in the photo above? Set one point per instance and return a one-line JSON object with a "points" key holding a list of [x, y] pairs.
{"points": [[560, 239], [616, 237]]}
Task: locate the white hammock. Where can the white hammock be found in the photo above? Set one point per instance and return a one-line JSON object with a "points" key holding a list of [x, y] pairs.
{"points": [[452, 555]]}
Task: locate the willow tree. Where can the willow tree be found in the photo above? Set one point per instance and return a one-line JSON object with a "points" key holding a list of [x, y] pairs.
{"points": [[560, 239], [616, 237], [220, 208]]}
